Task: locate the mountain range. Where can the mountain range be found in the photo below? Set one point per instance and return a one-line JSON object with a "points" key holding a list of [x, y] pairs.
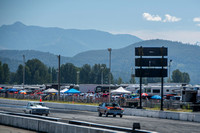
{"points": [[185, 57], [66, 42]]}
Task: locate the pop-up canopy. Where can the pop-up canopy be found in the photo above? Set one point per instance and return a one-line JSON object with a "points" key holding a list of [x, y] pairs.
{"points": [[120, 90], [72, 91]]}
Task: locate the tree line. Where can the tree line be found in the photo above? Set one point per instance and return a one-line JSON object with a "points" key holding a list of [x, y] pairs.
{"points": [[37, 72]]}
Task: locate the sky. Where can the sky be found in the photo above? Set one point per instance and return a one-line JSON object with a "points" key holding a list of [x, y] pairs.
{"points": [[176, 20]]}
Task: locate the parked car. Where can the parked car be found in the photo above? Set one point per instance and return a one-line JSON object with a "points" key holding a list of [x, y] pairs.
{"points": [[110, 109], [37, 108]]}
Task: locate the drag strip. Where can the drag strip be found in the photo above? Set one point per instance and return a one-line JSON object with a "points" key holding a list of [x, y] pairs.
{"points": [[146, 123]]}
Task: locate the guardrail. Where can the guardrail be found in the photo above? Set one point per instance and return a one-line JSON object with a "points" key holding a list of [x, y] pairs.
{"points": [[32, 115], [33, 122], [40, 125], [195, 117], [116, 128]]}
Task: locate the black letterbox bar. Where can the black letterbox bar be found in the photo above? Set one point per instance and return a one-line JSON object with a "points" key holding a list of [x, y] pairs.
{"points": [[150, 73], [149, 51], [151, 62]]}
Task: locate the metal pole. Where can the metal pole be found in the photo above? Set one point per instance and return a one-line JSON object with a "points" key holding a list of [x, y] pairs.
{"points": [[109, 49], [141, 77], [102, 75], [77, 77], [161, 106], [131, 75], [169, 71], [23, 71], [58, 77]]}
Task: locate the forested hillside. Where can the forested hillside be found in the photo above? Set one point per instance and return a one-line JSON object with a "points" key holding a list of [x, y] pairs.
{"points": [[184, 57]]}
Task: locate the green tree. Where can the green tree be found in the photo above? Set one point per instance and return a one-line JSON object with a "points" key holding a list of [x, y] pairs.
{"points": [[54, 75], [179, 77], [95, 76], [68, 73], [1, 74], [37, 72], [19, 75], [186, 77], [132, 80], [6, 74], [96, 73], [12, 79], [119, 81], [50, 74], [85, 73]]}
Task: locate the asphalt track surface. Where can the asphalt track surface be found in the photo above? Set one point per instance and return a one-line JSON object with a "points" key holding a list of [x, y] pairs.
{"points": [[146, 123]]}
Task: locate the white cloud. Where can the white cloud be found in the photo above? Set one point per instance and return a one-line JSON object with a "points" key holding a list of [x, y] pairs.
{"points": [[169, 18], [150, 17], [198, 25], [196, 19]]}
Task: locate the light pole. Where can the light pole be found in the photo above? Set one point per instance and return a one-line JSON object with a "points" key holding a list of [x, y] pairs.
{"points": [[132, 76], [169, 70], [23, 71], [109, 50], [58, 77], [102, 68], [77, 77]]}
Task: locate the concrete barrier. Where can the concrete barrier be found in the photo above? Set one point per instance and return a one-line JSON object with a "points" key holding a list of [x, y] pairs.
{"points": [[183, 116], [197, 118], [48, 126], [127, 111]]}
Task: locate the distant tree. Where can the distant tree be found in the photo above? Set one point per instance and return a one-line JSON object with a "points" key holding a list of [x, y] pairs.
{"points": [[36, 77], [132, 80], [96, 73], [37, 72], [6, 73], [179, 77], [68, 73], [19, 75], [12, 79], [28, 77], [119, 81], [85, 72], [54, 75], [95, 76], [186, 77], [106, 74], [1, 74], [50, 74]]}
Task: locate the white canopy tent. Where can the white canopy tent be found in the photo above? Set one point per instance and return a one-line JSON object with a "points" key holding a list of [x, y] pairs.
{"points": [[50, 90], [120, 90], [64, 90]]}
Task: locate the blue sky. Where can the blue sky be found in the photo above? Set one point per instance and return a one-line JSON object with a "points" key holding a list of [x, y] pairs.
{"points": [[177, 20]]}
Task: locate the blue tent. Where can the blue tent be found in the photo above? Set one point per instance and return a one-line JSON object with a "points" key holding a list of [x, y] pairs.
{"points": [[135, 97], [72, 91], [12, 90], [156, 97]]}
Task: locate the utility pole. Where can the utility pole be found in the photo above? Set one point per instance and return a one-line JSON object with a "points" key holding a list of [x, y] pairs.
{"points": [[77, 76], [58, 77], [169, 71], [102, 68], [23, 71], [109, 50]]}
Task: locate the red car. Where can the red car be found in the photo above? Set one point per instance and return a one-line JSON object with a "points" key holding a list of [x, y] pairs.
{"points": [[110, 109]]}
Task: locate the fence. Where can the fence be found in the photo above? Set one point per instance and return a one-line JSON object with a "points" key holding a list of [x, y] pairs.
{"points": [[150, 103]]}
